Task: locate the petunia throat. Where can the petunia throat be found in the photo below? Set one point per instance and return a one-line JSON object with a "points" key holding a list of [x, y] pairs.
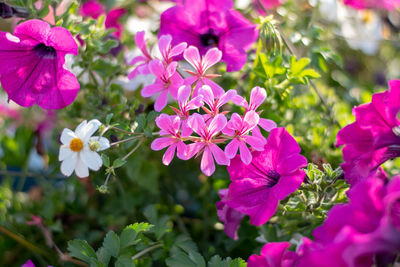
{"points": [[46, 52], [209, 39], [272, 178]]}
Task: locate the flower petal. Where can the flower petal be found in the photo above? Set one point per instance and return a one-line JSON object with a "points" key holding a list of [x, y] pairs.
{"points": [[66, 136], [88, 130], [81, 170], [68, 165], [91, 159], [207, 165]]}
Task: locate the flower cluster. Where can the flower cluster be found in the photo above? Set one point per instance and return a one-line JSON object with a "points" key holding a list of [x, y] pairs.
{"points": [[375, 4], [360, 233], [374, 137]]}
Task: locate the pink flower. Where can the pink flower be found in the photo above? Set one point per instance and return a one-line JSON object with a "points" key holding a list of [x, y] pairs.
{"points": [[272, 175], [230, 217], [29, 263], [143, 67], [374, 137], [92, 8], [167, 51], [210, 23], [375, 4], [206, 144], [273, 255], [32, 66], [257, 97], [167, 80], [112, 21], [239, 128], [215, 102], [170, 126], [267, 4], [201, 65], [185, 105]]}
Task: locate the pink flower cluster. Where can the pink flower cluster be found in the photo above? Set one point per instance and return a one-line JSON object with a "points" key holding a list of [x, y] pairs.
{"points": [[360, 233], [373, 4]]}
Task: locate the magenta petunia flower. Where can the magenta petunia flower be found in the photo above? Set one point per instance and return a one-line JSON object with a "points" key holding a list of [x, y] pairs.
{"points": [[171, 138], [230, 217], [272, 175], [92, 8], [185, 105], [373, 4], [167, 80], [374, 137], [273, 255], [201, 65], [213, 102], [32, 66], [269, 4], [207, 142], [239, 128], [211, 23]]}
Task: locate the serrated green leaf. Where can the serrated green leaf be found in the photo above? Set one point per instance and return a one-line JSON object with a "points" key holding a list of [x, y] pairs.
{"points": [[118, 163], [124, 261], [109, 117], [129, 234], [309, 73], [180, 259], [103, 256], [106, 160], [111, 243], [197, 259], [80, 249]]}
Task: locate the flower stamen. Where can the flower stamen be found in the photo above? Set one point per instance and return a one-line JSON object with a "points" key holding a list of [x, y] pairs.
{"points": [[76, 144]]}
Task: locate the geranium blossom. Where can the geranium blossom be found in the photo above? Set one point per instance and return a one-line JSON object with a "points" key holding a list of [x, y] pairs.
{"points": [[374, 137], [167, 80], [201, 65], [273, 255], [185, 105], [210, 23], [230, 217], [144, 60], [167, 51], [272, 175], [239, 127], [206, 145], [79, 149], [32, 66], [171, 138], [215, 102], [376, 4]]}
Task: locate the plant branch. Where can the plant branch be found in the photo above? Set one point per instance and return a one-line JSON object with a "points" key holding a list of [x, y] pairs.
{"points": [[147, 250]]}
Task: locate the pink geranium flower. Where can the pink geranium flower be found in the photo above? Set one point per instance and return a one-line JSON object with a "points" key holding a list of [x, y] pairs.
{"points": [[272, 175], [32, 66], [185, 105], [171, 138], [167, 80], [213, 102], [207, 142], [230, 217], [93, 9], [273, 255], [240, 127], [167, 51], [257, 97], [209, 23], [374, 137], [144, 60], [201, 65]]}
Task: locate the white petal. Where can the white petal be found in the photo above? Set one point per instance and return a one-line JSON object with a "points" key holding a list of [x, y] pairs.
{"points": [[68, 165], [80, 126], [103, 142], [88, 130], [65, 152], [91, 159], [66, 136], [81, 170]]}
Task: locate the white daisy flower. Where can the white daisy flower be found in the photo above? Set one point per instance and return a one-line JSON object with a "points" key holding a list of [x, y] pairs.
{"points": [[79, 149]]}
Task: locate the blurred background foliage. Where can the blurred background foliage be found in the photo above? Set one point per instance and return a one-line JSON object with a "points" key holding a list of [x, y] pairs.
{"points": [[313, 76]]}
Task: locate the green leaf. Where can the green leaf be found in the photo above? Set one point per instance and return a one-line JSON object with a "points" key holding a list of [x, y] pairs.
{"points": [[109, 117], [80, 249], [185, 243], [111, 243], [106, 160], [124, 261], [118, 163], [129, 234], [103, 256], [180, 259], [216, 261], [309, 73], [296, 67]]}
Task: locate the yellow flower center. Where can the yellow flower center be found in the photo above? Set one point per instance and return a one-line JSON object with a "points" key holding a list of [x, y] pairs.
{"points": [[367, 16], [76, 144]]}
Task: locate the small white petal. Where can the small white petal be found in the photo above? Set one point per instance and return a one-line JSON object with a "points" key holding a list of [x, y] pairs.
{"points": [[66, 136], [80, 126], [68, 165], [65, 152], [88, 130], [104, 143], [91, 159], [81, 170]]}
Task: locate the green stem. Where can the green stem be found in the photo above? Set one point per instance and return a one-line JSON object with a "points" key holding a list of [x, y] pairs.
{"points": [[134, 149], [145, 251]]}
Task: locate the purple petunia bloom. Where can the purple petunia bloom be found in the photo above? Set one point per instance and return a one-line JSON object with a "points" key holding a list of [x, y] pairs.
{"points": [[230, 217], [374, 137], [374, 4], [273, 255], [32, 66], [211, 23], [272, 175]]}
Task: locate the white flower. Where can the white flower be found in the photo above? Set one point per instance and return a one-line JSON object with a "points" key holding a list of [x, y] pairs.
{"points": [[79, 149]]}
